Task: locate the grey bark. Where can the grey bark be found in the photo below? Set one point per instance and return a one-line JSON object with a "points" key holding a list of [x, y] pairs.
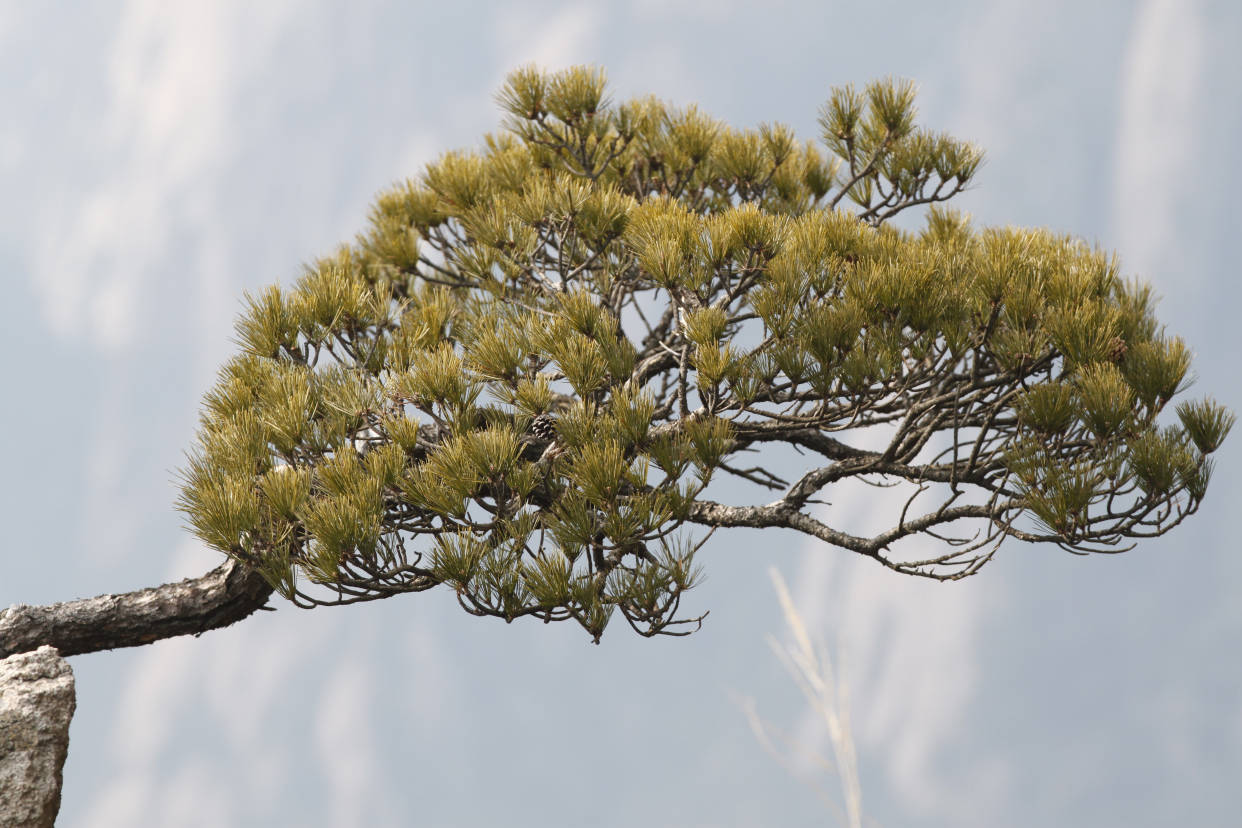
{"points": [[36, 705], [227, 594]]}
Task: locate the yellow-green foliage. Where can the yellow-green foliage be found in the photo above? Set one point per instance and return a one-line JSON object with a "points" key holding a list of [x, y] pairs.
{"points": [[668, 287]]}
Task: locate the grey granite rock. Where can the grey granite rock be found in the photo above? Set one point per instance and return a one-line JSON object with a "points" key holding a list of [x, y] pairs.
{"points": [[36, 705]]}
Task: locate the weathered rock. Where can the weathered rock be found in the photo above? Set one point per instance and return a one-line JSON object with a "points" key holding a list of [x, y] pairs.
{"points": [[36, 704]]}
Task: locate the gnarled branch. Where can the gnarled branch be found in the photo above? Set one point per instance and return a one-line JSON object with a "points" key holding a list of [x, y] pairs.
{"points": [[226, 594]]}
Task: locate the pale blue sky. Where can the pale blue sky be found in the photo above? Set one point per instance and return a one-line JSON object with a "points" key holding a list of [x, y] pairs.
{"points": [[158, 159]]}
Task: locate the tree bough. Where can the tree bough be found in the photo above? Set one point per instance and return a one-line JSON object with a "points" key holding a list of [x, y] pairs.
{"points": [[522, 379]]}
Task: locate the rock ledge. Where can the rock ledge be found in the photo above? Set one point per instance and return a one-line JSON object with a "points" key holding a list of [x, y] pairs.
{"points": [[36, 705]]}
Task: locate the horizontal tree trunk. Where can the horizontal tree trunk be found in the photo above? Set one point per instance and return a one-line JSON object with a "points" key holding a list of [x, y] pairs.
{"points": [[226, 594]]}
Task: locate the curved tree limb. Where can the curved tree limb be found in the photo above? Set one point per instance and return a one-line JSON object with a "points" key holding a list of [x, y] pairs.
{"points": [[226, 594]]}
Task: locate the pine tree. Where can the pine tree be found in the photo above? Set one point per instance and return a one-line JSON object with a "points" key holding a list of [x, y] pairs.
{"points": [[522, 379]]}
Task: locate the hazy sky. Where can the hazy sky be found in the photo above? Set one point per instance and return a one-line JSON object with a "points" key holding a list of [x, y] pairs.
{"points": [[158, 159]]}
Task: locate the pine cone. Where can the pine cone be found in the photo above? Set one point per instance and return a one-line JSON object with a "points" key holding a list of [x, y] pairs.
{"points": [[543, 427]]}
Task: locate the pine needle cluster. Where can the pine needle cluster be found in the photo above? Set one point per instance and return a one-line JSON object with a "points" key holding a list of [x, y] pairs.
{"points": [[658, 292]]}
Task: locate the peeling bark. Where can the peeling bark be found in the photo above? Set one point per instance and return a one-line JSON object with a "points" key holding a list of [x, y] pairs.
{"points": [[226, 594]]}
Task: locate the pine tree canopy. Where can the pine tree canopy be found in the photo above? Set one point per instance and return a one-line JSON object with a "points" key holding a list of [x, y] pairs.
{"points": [[522, 378]]}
